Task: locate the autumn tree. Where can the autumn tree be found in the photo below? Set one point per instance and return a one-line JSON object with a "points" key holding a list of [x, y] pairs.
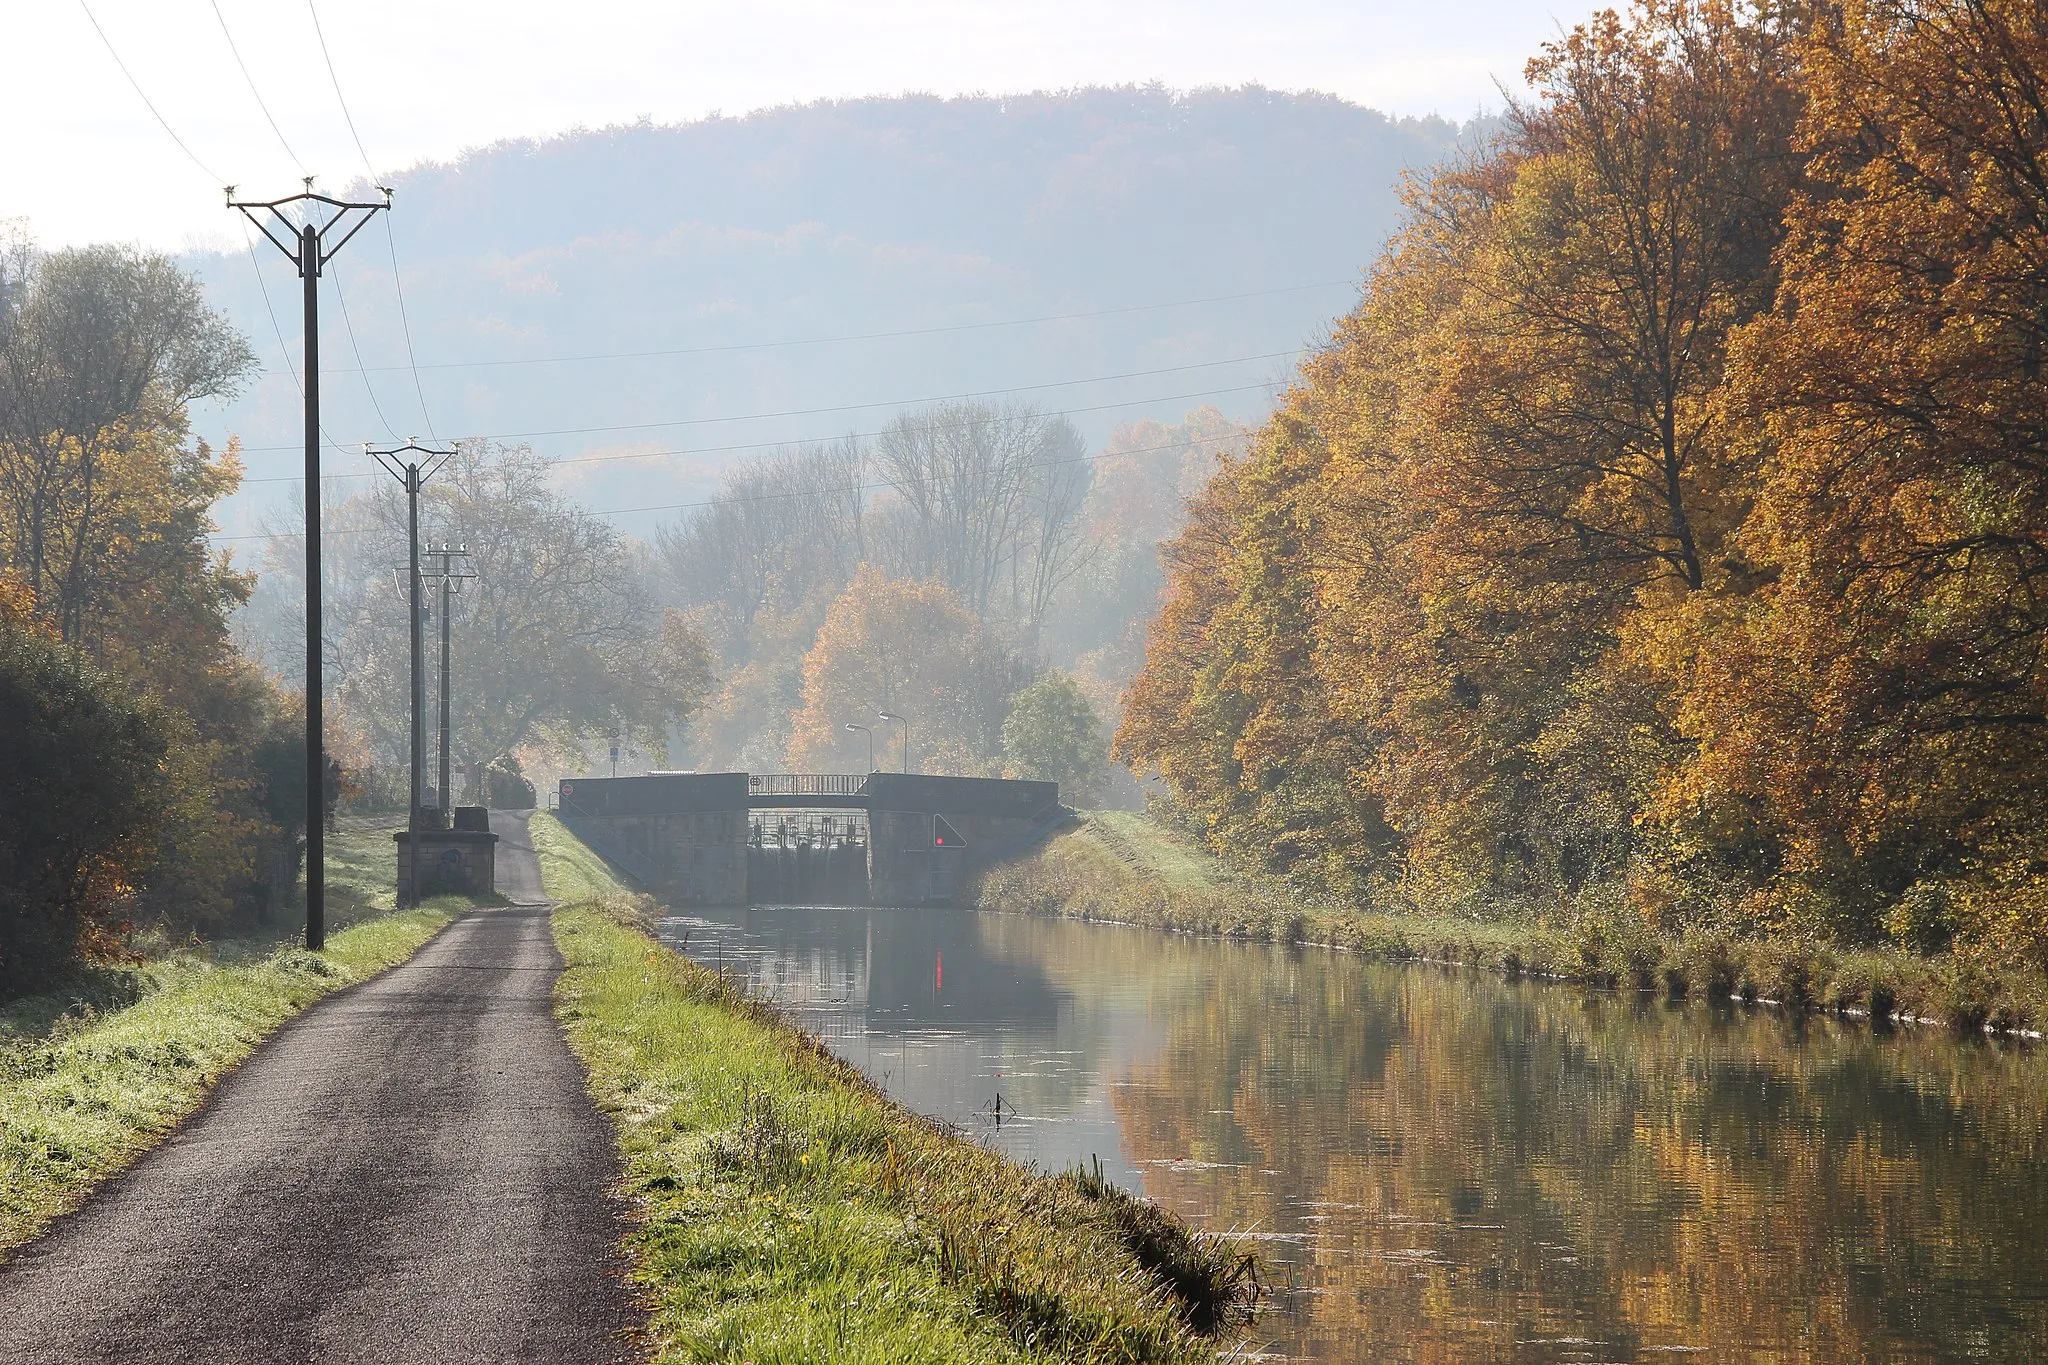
{"points": [[1144, 475], [83, 795], [911, 649], [1399, 633], [1873, 724], [101, 352], [105, 505], [757, 567], [987, 501]]}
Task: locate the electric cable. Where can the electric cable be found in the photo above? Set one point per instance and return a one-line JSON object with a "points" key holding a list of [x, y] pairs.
{"points": [[777, 445], [872, 336], [390, 239], [334, 269], [878, 403], [1096, 457], [282, 141], [136, 86], [335, 80], [290, 368]]}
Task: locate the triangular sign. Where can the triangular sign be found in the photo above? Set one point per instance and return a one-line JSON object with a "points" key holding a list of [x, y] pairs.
{"points": [[944, 835]]}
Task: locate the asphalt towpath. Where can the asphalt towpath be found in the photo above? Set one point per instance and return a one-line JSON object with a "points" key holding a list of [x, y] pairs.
{"points": [[410, 1171]]}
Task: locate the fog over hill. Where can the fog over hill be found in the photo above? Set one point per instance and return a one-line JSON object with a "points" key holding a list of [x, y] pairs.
{"points": [[750, 250]]}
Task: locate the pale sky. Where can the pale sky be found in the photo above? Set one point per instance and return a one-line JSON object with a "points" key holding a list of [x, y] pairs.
{"points": [[425, 79]]}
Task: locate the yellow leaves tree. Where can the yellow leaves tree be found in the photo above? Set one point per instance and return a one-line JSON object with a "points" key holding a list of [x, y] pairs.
{"points": [[1668, 527], [1880, 711], [910, 649], [1414, 599]]}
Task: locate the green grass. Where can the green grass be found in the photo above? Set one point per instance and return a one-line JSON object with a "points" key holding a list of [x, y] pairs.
{"points": [[1144, 847], [84, 1100], [362, 879], [569, 869], [1121, 867], [789, 1211]]}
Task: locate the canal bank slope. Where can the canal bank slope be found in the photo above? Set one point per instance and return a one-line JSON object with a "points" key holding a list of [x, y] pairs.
{"points": [[1120, 867], [788, 1210]]}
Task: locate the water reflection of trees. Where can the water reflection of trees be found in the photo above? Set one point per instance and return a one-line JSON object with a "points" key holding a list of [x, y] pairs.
{"points": [[1455, 1167], [1471, 1164]]}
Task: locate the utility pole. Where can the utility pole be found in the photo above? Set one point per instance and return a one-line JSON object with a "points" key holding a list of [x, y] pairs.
{"points": [[412, 474], [451, 583], [309, 251]]}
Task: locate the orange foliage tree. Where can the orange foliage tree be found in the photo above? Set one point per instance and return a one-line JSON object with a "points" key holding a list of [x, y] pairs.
{"points": [[1399, 632], [1875, 716], [1665, 533], [913, 650]]}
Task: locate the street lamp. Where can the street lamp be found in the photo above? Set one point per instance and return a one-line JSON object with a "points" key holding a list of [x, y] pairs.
{"points": [[903, 721], [871, 742]]}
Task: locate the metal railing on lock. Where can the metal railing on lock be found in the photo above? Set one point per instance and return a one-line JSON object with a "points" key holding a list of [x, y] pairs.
{"points": [[805, 784]]}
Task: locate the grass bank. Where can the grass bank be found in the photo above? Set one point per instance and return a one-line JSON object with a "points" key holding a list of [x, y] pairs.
{"points": [[1122, 867], [789, 1211], [84, 1098], [362, 873]]}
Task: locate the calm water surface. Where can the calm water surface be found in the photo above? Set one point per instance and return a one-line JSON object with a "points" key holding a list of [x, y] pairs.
{"points": [[1440, 1165]]}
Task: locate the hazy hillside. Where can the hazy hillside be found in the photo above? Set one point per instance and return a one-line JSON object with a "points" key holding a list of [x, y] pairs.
{"points": [[828, 221]]}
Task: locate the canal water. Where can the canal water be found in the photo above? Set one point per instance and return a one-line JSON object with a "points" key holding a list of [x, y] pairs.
{"points": [[1436, 1164]]}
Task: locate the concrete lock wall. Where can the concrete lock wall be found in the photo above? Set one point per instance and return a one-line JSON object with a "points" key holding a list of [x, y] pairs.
{"points": [[908, 866], [687, 833], [699, 857]]}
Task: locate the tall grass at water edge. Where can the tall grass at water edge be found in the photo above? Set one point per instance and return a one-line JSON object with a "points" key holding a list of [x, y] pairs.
{"points": [[1122, 868]]}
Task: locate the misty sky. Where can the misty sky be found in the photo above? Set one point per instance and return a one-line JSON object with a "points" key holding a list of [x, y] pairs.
{"points": [[426, 79]]}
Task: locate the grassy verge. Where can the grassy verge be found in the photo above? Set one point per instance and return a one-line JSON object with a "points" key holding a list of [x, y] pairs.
{"points": [[1122, 867], [362, 878], [790, 1212], [569, 870], [82, 1101]]}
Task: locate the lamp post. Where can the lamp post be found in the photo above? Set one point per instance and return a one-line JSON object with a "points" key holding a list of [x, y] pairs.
{"points": [[871, 742], [903, 721]]}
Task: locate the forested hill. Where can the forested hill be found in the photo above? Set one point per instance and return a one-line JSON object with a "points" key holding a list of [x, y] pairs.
{"points": [[830, 220]]}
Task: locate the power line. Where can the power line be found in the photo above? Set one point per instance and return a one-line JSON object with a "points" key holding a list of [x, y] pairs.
{"points": [[335, 80], [405, 325], [136, 86], [1095, 458], [172, 133], [390, 238], [349, 326], [871, 336], [776, 445], [284, 351], [282, 141], [878, 403]]}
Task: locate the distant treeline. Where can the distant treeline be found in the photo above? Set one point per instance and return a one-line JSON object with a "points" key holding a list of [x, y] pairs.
{"points": [[935, 574], [1665, 534]]}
